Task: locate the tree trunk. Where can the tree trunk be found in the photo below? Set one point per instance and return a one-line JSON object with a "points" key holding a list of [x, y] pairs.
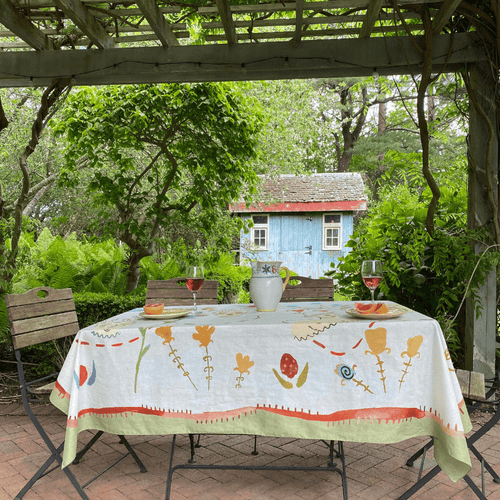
{"points": [[345, 160], [133, 272], [4, 122]]}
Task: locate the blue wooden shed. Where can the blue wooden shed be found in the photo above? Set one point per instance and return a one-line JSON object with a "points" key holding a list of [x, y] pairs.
{"points": [[304, 221]]}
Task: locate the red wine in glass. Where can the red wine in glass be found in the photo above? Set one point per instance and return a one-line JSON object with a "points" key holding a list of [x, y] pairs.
{"points": [[194, 284], [371, 272], [373, 282], [194, 281]]}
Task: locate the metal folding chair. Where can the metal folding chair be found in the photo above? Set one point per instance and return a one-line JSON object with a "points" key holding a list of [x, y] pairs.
{"points": [[38, 316], [174, 292], [302, 289], [479, 394]]}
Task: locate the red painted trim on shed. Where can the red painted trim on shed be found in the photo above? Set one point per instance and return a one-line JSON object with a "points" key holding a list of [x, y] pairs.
{"points": [[317, 206]]}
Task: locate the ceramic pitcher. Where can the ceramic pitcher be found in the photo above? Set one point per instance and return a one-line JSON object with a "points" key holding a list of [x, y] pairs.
{"points": [[266, 285]]}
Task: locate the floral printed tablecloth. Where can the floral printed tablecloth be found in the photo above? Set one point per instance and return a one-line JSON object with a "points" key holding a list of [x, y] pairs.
{"points": [[307, 370]]}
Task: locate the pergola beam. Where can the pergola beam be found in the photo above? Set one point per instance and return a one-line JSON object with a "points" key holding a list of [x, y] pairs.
{"points": [[265, 61], [224, 11], [157, 22], [23, 28], [82, 18], [444, 14], [372, 13], [299, 15]]}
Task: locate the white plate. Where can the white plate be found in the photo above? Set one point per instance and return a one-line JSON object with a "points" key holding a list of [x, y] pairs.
{"points": [[394, 312], [168, 314]]}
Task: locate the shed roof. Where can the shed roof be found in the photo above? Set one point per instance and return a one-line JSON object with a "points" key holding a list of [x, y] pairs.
{"points": [[309, 193]]}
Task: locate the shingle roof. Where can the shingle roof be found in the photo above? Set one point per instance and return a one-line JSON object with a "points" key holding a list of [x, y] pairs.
{"points": [[319, 191], [316, 187]]}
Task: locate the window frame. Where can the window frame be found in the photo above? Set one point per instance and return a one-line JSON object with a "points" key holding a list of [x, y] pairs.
{"points": [[260, 227], [331, 225]]}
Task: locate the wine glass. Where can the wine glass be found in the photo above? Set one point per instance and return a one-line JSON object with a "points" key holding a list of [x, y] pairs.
{"points": [[194, 281], [371, 272]]}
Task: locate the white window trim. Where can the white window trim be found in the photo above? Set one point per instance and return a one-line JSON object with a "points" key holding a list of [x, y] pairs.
{"points": [[331, 225], [260, 227]]}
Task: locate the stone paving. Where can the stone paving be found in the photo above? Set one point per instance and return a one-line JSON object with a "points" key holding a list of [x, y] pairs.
{"points": [[374, 471]]}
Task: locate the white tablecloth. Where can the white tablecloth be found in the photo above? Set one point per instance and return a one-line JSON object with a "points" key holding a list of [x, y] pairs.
{"points": [[307, 370]]}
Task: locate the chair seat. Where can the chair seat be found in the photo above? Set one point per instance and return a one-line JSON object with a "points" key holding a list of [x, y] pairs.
{"points": [[44, 389]]}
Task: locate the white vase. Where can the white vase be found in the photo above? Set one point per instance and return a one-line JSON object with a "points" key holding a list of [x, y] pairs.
{"points": [[266, 285]]}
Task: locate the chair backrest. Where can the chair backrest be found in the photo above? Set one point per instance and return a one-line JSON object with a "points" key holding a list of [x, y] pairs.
{"points": [[303, 289], [40, 315], [174, 292]]}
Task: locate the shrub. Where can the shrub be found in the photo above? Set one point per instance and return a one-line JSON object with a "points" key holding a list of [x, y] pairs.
{"points": [[430, 274]]}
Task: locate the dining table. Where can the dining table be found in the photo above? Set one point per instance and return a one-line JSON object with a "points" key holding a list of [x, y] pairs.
{"points": [[311, 370]]}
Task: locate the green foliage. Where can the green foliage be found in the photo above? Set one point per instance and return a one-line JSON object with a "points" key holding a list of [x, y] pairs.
{"points": [[157, 153], [69, 263], [94, 307], [428, 274]]}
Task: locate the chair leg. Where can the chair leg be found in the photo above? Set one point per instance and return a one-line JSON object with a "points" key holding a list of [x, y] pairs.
{"points": [[419, 453], [87, 447], [131, 452], [123, 441], [56, 456]]}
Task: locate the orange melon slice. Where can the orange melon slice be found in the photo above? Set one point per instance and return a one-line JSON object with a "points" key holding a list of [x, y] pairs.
{"points": [[154, 308], [376, 308]]}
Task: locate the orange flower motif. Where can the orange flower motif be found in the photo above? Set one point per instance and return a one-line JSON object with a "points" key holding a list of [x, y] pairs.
{"points": [[204, 335], [165, 332], [376, 341], [244, 363], [413, 346]]}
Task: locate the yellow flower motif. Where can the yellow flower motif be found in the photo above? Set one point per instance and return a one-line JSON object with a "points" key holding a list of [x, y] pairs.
{"points": [[165, 332], [204, 335], [244, 363], [413, 346], [376, 340], [447, 354]]}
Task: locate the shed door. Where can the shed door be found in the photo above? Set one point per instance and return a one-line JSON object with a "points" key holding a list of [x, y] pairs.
{"points": [[297, 242]]}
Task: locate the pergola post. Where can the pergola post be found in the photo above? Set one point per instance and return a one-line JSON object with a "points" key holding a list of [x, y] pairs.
{"points": [[480, 333]]}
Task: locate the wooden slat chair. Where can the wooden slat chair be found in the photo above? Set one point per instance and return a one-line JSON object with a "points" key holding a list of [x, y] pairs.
{"points": [[300, 288], [38, 316], [174, 292], [479, 394]]}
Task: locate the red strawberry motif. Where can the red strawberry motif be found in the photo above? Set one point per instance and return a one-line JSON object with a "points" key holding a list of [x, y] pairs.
{"points": [[289, 365]]}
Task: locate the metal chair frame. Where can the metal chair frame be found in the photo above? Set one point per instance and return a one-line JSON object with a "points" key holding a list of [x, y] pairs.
{"points": [[38, 316], [493, 385]]}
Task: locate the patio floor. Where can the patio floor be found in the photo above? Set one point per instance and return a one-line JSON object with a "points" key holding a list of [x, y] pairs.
{"points": [[374, 471]]}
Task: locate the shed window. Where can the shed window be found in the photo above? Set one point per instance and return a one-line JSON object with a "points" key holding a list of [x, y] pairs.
{"points": [[260, 232], [332, 232]]}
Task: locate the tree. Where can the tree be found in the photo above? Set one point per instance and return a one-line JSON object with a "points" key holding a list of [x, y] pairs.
{"points": [[28, 186], [157, 152], [291, 142]]}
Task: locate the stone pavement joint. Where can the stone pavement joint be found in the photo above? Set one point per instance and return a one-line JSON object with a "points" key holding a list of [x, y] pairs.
{"points": [[374, 471]]}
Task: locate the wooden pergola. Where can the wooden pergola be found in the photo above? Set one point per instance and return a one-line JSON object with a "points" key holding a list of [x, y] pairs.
{"points": [[95, 42]]}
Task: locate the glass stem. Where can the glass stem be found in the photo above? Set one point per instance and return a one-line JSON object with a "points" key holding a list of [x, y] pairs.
{"points": [[194, 297], [373, 295]]}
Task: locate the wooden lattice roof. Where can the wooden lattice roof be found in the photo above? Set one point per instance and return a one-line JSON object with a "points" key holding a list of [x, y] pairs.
{"points": [[116, 41]]}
